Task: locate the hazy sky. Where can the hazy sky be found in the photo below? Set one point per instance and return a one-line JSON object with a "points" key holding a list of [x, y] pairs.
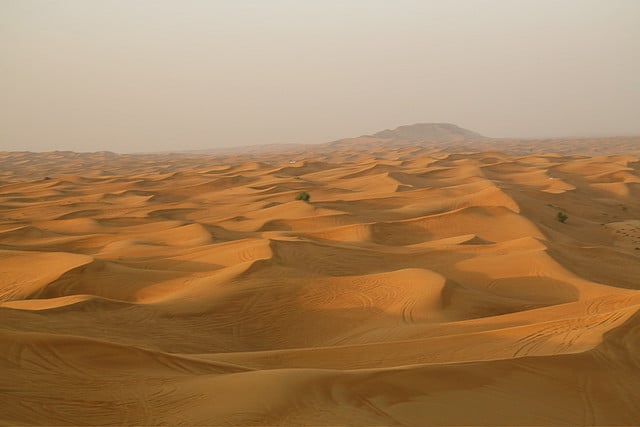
{"points": [[127, 75]]}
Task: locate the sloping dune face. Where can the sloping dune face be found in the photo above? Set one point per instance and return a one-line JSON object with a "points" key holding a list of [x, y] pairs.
{"points": [[411, 289]]}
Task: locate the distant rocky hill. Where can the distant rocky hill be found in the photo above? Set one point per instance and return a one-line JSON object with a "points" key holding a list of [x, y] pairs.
{"points": [[434, 132], [425, 135]]}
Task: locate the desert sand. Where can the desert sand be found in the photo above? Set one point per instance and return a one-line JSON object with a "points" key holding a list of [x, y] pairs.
{"points": [[417, 286]]}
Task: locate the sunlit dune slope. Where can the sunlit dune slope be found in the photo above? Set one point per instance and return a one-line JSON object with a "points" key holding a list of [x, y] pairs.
{"points": [[415, 287]]}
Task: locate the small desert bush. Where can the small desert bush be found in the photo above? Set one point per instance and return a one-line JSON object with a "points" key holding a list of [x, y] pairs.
{"points": [[303, 195], [562, 217]]}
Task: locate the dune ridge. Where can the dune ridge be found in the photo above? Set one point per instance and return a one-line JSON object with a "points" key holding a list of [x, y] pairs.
{"points": [[416, 287]]}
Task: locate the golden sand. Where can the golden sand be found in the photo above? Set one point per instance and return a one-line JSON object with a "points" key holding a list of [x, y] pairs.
{"points": [[416, 287]]}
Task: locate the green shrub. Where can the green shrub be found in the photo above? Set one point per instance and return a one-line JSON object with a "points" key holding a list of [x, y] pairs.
{"points": [[562, 217], [303, 195]]}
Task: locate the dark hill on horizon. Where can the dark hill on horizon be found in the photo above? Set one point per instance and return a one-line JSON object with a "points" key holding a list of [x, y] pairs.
{"points": [[428, 136], [435, 132]]}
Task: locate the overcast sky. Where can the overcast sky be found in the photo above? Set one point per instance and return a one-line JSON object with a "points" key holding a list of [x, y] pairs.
{"points": [[127, 75]]}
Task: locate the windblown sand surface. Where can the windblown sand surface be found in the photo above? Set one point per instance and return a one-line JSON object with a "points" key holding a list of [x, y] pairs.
{"points": [[413, 289]]}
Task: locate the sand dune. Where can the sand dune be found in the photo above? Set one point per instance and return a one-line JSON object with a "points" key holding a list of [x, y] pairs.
{"points": [[418, 286]]}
